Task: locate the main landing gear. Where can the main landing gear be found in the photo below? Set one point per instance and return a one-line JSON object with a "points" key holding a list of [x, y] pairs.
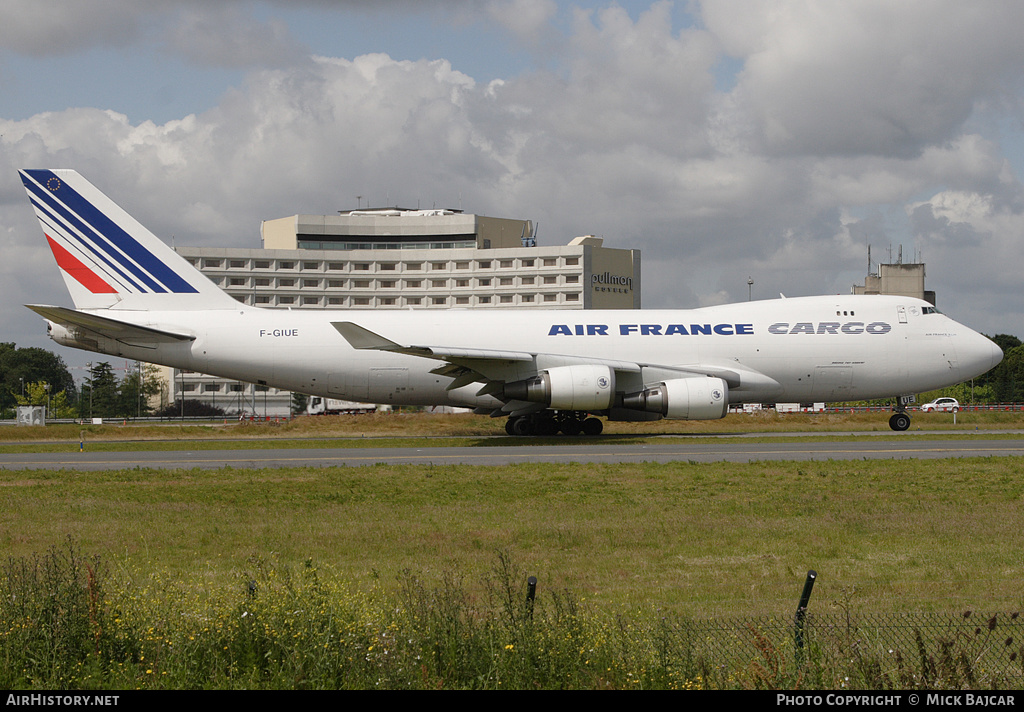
{"points": [[549, 422]]}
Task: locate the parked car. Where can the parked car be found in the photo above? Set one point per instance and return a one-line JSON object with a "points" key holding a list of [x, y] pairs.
{"points": [[942, 404]]}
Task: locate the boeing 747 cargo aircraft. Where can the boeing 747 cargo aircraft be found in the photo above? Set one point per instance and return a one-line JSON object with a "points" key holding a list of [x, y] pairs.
{"points": [[546, 370]]}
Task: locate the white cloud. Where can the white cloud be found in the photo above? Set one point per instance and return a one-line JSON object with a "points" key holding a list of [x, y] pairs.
{"points": [[228, 36], [844, 114]]}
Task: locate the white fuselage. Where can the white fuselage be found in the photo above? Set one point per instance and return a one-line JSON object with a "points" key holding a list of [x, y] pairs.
{"points": [[833, 348]]}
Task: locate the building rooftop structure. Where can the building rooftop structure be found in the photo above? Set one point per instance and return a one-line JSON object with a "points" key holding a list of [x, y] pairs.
{"points": [[897, 278]]}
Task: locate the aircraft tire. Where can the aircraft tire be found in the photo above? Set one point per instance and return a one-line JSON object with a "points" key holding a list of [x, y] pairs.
{"points": [[522, 426], [572, 428], [899, 422], [592, 426]]}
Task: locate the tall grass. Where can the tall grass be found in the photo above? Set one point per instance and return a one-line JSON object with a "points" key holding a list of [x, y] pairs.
{"points": [[67, 622]]}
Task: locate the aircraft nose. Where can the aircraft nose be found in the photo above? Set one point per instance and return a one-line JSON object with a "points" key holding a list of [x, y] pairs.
{"points": [[979, 356]]}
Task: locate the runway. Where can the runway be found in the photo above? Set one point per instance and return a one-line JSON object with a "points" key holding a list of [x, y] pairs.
{"points": [[596, 451]]}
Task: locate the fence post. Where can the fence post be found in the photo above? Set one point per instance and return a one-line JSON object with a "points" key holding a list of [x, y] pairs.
{"points": [[531, 594], [801, 612]]}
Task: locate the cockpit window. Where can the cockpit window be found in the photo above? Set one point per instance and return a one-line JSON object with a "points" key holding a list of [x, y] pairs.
{"points": [[930, 310]]}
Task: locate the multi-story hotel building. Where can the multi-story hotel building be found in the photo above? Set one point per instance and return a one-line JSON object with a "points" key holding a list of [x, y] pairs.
{"points": [[404, 259]]}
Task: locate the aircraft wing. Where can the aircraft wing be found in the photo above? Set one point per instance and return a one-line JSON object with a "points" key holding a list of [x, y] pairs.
{"points": [[92, 325], [493, 367]]}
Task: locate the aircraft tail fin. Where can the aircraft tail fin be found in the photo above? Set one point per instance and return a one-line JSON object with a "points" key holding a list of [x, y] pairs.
{"points": [[106, 257]]}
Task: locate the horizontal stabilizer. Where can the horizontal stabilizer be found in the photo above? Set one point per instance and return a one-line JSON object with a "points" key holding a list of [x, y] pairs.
{"points": [[107, 327]]}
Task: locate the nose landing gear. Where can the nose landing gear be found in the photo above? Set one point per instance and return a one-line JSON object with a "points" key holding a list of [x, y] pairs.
{"points": [[900, 419]]}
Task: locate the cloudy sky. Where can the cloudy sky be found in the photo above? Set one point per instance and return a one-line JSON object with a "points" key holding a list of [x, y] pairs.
{"points": [[723, 138]]}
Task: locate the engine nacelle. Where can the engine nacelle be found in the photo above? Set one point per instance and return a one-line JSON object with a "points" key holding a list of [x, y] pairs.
{"points": [[66, 337], [579, 387], [696, 398]]}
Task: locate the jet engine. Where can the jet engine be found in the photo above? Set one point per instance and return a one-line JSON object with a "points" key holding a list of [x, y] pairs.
{"points": [[695, 398], [579, 387]]}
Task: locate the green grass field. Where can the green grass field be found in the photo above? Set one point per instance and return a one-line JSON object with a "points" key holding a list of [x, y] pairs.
{"points": [[647, 540]]}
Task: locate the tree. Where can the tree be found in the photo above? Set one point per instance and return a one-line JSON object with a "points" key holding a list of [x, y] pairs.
{"points": [[40, 393], [1007, 379], [100, 396], [299, 402], [20, 367], [135, 390]]}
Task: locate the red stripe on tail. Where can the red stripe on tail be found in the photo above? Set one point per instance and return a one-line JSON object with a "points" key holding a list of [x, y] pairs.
{"points": [[82, 274]]}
